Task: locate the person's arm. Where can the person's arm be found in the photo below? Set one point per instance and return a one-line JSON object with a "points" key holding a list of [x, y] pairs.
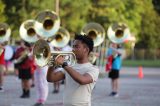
{"points": [[81, 79], [1, 46], [117, 51], [53, 76]]}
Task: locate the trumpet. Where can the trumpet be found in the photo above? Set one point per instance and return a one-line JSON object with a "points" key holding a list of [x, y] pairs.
{"points": [[27, 31], [47, 23], [118, 32], [44, 56]]}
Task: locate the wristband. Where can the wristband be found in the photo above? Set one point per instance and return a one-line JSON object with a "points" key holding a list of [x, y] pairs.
{"points": [[64, 64]]}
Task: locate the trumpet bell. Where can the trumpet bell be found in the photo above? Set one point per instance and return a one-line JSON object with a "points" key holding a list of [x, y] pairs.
{"points": [[5, 32], [95, 31], [41, 52], [44, 56], [118, 32], [61, 38], [27, 31], [47, 23]]}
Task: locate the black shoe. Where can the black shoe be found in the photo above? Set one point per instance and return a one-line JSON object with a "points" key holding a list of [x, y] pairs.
{"points": [[55, 91], [112, 93], [32, 85], [1, 89], [38, 104], [26, 94]]}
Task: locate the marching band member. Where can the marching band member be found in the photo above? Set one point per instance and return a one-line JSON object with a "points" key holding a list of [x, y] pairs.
{"points": [[23, 64], [80, 78], [2, 66]]}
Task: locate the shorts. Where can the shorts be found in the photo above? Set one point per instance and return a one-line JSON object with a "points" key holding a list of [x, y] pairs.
{"points": [[113, 74], [2, 68], [25, 74]]}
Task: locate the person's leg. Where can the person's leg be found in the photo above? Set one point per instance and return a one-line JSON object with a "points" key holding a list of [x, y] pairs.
{"points": [[115, 85], [1, 80], [1, 77], [56, 87], [27, 86], [25, 75], [41, 86], [23, 88], [44, 86], [32, 81]]}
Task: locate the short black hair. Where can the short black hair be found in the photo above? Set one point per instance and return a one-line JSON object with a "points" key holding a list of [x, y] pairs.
{"points": [[85, 39]]}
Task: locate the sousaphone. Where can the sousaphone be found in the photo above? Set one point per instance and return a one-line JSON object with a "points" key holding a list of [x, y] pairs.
{"points": [[60, 39], [28, 32], [118, 32], [47, 23], [95, 31], [5, 32]]}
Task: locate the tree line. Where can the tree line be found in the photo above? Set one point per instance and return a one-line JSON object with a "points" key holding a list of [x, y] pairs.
{"points": [[142, 16]]}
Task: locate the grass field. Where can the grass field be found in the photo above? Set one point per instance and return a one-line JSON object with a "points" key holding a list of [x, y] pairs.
{"points": [[146, 63]]}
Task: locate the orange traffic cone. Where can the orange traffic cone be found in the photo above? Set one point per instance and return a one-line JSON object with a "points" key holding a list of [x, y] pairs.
{"points": [[140, 72]]}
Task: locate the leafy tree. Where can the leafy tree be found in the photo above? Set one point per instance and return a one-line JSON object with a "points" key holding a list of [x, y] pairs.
{"points": [[149, 28], [73, 14], [156, 5], [2, 6]]}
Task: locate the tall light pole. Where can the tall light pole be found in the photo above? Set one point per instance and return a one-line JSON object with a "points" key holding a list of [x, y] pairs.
{"points": [[57, 7]]}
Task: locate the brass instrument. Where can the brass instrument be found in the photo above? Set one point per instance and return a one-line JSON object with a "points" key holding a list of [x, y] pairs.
{"points": [[27, 31], [44, 56], [118, 32], [47, 23], [97, 33], [23, 56], [5, 32], [60, 39]]}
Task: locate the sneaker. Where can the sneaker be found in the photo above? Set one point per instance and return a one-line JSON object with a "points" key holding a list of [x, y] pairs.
{"points": [[116, 95], [38, 104], [1, 89], [112, 93]]}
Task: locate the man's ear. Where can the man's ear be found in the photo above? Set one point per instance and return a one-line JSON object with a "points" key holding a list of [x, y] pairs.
{"points": [[87, 49]]}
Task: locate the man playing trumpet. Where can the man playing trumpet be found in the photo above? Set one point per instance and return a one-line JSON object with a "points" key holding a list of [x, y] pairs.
{"points": [[80, 78]]}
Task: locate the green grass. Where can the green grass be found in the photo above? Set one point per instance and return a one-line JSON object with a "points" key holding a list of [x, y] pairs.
{"points": [[146, 63]]}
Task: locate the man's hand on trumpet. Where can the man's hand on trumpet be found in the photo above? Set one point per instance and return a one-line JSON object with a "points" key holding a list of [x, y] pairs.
{"points": [[59, 60]]}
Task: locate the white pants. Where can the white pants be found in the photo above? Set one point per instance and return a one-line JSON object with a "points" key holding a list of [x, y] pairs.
{"points": [[41, 84]]}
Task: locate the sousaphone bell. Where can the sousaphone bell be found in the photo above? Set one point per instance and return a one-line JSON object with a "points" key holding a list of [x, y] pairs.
{"points": [[5, 32], [47, 23], [118, 32], [60, 39], [97, 33], [28, 32]]}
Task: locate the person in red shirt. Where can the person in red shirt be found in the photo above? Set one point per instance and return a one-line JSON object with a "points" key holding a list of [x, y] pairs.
{"points": [[2, 66], [23, 63]]}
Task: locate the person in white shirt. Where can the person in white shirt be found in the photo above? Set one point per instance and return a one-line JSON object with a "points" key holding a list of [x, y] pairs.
{"points": [[80, 78]]}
